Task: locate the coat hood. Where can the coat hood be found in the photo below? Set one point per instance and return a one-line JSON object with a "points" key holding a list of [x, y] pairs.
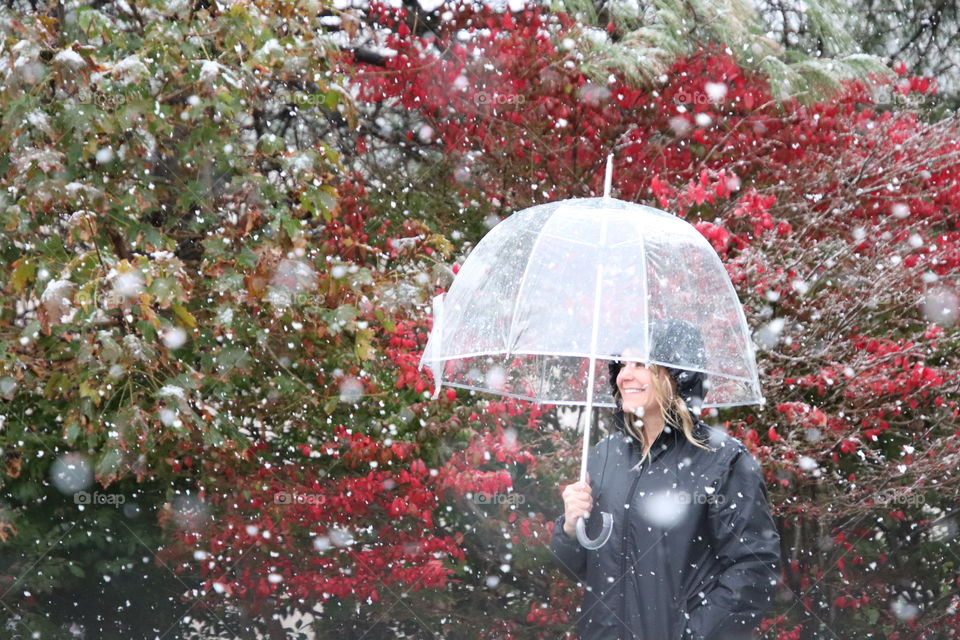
{"points": [[672, 341]]}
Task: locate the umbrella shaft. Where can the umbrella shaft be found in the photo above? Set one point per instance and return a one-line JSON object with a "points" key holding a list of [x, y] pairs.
{"points": [[586, 430], [593, 346], [591, 372]]}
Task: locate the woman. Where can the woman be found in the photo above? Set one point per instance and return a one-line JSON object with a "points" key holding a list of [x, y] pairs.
{"points": [[694, 553]]}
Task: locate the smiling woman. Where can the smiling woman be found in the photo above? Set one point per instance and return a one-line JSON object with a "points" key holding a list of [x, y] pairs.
{"points": [[646, 394], [649, 394], [694, 553]]}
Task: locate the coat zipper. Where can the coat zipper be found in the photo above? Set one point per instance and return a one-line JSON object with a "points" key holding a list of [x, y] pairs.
{"points": [[623, 551], [623, 546]]}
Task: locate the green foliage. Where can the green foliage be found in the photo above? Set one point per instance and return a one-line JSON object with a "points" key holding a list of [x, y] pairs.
{"points": [[645, 37], [164, 208]]}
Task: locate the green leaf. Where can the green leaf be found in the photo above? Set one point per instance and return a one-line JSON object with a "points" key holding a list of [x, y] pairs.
{"points": [[230, 281], [246, 258], [345, 314], [26, 492], [332, 98], [286, 384], [385, 321], [214, 247], [212, 437], [291, 225], [57, 385], [166, 290], [88, 17], [72, 432], [108, 465], [319, 202], [147, 330], [31, 330], [184, 380], [24, 270], [232, 358]]}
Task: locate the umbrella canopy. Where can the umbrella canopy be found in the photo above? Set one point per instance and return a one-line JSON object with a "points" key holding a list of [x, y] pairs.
{"points": [[555, 290], [559, 287]]}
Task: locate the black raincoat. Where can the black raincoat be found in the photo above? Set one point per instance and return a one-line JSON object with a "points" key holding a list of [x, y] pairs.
{"points": [[694, 553]]}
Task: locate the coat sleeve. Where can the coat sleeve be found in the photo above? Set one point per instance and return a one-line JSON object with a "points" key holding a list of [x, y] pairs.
{"points": [[567, 552], [746, 542]]}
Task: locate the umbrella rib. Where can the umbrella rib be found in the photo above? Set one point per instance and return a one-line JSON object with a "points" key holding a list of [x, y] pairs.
{"points": [[511, 336], [747, 340], [646, 290], [435, 365], [625, 243], [543, 376], [520, 396]]}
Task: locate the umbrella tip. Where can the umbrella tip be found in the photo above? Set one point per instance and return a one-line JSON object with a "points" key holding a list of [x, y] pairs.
{"points": [[608, 178]]}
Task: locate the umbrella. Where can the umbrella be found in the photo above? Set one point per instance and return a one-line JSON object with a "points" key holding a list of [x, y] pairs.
{"points": [[547, 298]]}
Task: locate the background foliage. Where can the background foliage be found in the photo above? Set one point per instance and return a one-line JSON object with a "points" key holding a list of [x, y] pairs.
{"points": [[222, 224]]}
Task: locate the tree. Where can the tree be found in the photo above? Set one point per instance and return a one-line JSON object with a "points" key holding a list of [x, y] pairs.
{"points": [[236, 348], [166, 209], [920, 35], [838, 223]]}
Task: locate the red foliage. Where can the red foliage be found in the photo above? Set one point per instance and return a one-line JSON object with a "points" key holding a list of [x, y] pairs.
{"points": [[763, 182], [836, 197]]}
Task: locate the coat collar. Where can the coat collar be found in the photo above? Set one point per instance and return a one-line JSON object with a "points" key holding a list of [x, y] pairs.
{"points": [[668, 438]]}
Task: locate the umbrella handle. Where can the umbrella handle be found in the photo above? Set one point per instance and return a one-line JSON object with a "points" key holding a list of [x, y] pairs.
{"points": [[601, 540]]}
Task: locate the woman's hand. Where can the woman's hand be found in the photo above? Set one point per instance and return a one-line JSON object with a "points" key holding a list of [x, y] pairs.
{"points": [[577, 501]]}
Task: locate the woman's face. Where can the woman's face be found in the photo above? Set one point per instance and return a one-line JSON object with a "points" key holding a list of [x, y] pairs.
{"points": [[635, 382]]}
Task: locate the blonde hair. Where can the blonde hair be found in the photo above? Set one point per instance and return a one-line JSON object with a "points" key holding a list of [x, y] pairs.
{"points": [[672, 407]]}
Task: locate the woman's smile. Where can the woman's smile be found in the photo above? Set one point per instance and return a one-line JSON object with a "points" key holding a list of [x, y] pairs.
{"points": [[635, 384]]}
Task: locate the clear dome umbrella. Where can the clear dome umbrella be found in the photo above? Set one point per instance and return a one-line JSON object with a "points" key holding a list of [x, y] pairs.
{"points": [[554, 292]]}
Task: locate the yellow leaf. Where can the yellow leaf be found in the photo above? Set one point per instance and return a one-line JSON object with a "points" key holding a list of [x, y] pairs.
{"points": [[441, 244], [145, 300], [331, 404], [183, 315], [363, 348], [24, 270], [87, 391]]}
